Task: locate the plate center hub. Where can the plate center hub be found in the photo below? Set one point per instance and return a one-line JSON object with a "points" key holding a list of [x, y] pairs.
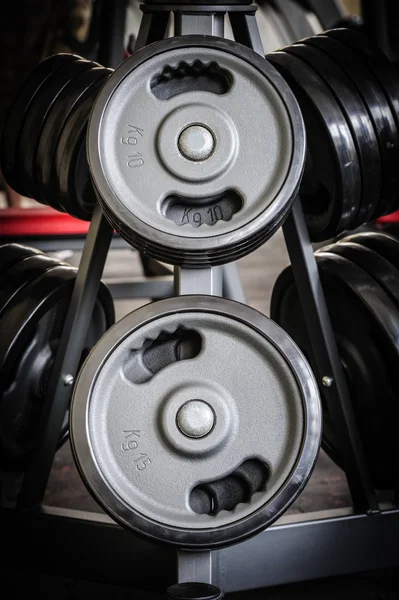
{"points": [[195, 419]]}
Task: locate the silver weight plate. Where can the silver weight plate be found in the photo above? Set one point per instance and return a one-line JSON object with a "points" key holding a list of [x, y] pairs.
{"points": [[196, 145], [195, 421]]}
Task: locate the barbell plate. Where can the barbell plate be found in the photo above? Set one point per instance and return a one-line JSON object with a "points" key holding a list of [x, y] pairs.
{"points": [[378, 267], [16, 277], [379, 111], [35, 118], [359, 123], [76, 195], [31, 327], [331, 199], [365, 323], [67, 102], [382, 68], [18, 109], [148, 187], [11, 253], [385, 244], [170, 353]]}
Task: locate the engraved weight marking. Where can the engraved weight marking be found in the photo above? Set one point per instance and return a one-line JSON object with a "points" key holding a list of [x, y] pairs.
{"points": [[135, 160], [133, 137], [196, 217], [142, 461]]}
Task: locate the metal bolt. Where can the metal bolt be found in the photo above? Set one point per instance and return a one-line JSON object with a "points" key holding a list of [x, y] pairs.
{"points": [[195, 419], [196, 142], [68, 379], [327, 381]]}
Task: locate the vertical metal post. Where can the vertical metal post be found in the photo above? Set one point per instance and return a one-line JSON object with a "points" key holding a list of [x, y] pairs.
{"points": [[246, 30], [153, 27], [198, 281], [327, 362], [199, 23], [194, 566], [112, 32]]}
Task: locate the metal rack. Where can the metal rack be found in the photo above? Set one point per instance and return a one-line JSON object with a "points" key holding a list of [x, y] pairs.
{"points": [[322, 544]]}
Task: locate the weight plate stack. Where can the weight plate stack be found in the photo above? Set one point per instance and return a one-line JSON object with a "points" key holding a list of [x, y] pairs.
{"points": [[34, 131], [70, 170], [12, 253], [35, 117], [360, 278], [205, 388], [9, 154], [34, 299], [348, 92], [69, 101], [196, 150]]}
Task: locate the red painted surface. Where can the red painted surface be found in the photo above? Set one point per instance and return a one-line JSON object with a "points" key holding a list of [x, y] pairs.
{"points": [[392, 218], [39, 222], [20, 222]]}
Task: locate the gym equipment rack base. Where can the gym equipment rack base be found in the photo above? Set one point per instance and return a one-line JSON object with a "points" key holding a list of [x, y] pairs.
{"points": [[91, 546]]}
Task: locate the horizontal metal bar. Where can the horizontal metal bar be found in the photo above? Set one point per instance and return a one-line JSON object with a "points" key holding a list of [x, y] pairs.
{"points": [[299, 551], [92, 547], [191, 7], [134, 287], [83, 545]]}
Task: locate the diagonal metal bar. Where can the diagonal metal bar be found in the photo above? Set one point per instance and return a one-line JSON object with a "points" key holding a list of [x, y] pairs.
{"points": [[67, 359]]}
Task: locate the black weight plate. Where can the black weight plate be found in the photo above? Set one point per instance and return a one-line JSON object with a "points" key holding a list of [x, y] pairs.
{"points": [[379, 112], [366, 326], [12, 253], [383, 329], [378, 267], [386, 245], [17, 111], [75, 192], [26, 310], [74, 93], [382, 68], [330, 189], [36, 117], [286, 310], [358, 120], [23, 326], [31, 328], [14, 279]]}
